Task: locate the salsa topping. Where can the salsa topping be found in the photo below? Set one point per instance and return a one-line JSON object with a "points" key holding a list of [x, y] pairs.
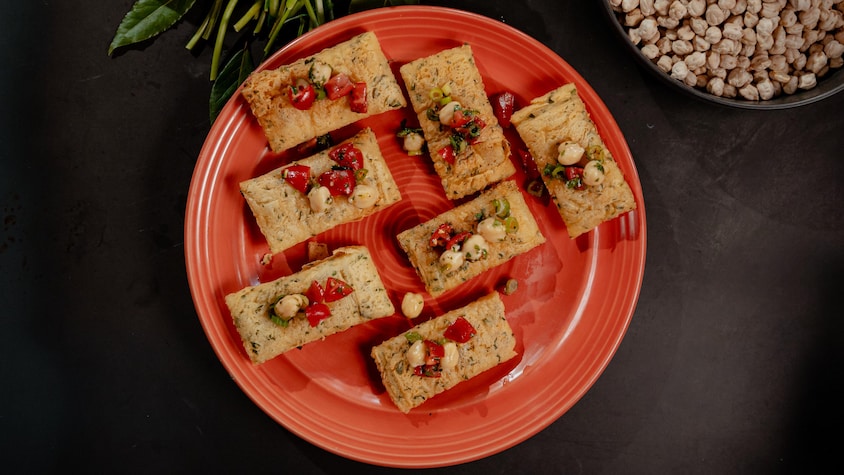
{"points": [[441, 235], [577, 166], [340, 180], [429, 358], [312, 304], [321, 83], [465, 124], [456, 247]]}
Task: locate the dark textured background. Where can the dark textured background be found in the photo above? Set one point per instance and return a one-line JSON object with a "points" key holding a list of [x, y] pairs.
{"points": [[733, 362]]}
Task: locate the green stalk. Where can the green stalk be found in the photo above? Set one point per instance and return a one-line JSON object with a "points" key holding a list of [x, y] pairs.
{"points": [[221, 35], [260, 23], [290, 8], [215, 14], [250, 15], [311, 13], [320, 11], [199, 32]]}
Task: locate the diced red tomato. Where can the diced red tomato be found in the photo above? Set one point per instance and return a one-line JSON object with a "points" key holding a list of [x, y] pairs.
{"points": [[316, 312], [335, 289], [358, 100], [441, 235], [433, 352], [460, 331], [457, 240], [503, 105], [574, 175], [315, 293], [447, 154], [427, 371], [459, 119], [338, 181], [301, 94], [298, 176], [338, 86], [347, 155]]}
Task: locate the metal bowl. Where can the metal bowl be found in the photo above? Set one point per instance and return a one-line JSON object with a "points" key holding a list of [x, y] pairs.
{"points": [[830, 84]]}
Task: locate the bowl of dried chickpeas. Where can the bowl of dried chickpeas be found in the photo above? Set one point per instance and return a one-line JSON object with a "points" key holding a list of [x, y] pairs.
{"points": [[752, 54]]}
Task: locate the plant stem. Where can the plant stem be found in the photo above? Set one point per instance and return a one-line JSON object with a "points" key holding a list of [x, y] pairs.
{"points": [[215, 14], [311, 14], [221, 35], [320, 11], [199, 32], [260, 23], [251, 14], [290, 8]]}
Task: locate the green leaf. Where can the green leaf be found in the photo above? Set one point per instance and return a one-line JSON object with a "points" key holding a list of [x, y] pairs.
{"points": [[232, 75], [148, 18], [361, 5]]}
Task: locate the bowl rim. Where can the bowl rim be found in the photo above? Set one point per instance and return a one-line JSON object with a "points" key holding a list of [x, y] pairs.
{"points": [[826, 87]]}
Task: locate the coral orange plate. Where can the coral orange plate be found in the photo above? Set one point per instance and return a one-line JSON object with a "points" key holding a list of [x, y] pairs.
{"points": [[574, 301]]}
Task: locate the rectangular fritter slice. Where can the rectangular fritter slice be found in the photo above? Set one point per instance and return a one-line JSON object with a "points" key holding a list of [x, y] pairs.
{"points": [[560, 116], [491, 343], [484, 159], [263, 338], [361, 59], [512, 223], [285, 214]]}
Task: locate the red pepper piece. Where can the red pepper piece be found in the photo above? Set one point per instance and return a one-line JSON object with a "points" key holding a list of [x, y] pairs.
{"points": [[427, 371], [460, 331], [457, 240], [574, 178], [347, 155], [315, 293], [298, 176], [433, 352], [459, 119], [301, 94], [338, 86], [441, 235], [316, 312], [358, 100], [338, 182], [335, 289], [447, 154], [503, 106]]}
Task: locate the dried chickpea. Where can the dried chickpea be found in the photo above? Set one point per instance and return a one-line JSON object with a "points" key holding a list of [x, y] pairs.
{"points": [[750, 49]]}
